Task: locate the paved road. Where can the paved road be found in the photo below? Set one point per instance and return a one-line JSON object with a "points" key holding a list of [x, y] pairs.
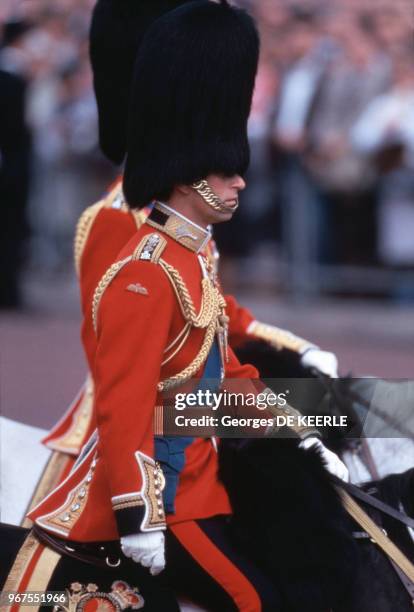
{"points": [[42, 365]]}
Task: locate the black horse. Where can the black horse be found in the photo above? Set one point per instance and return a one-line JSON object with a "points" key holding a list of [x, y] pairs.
{"points": [[289, 518]]}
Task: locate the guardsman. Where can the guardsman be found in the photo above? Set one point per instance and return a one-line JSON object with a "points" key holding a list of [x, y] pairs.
{"points": [[160, 319], [106, 226]]}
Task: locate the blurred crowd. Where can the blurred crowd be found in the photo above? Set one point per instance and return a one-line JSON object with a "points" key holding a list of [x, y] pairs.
{"points": [[332, 134], [332, 131]]}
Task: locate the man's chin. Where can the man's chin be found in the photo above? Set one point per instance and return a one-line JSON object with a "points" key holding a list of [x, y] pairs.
{"points": [[223, 216]]}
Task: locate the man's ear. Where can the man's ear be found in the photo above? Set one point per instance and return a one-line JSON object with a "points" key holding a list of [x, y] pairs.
{"points": [[184, 189]]}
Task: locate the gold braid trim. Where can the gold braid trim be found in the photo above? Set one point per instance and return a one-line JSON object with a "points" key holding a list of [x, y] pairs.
{"points": [[182, 337], [210, 300], [195, 365], [279, 338], [212, 257], [19, 568], [211, 317], [83, 227], [103, 284], [87, 218]]}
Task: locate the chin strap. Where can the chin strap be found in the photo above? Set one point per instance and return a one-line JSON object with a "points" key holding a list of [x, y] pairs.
{"points": [[210, 198]]}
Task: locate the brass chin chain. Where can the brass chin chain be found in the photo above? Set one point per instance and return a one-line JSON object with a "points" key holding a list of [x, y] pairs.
{"points": [[210, 198]]}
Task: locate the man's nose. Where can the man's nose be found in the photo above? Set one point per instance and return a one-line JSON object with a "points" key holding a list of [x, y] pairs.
{"points": [[238, 183]]}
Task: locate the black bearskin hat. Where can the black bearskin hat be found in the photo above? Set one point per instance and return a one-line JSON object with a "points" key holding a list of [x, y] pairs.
{"points": [[190, 99], [117, 28]]}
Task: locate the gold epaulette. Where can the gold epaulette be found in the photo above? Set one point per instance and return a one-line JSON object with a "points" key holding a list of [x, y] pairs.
{"points": [[115, 199], [279, 338], [149, 249]]}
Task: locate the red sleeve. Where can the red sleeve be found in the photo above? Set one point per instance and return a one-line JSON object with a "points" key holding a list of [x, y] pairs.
{"points": [[234, 369], [239, 320], [132, 334]]}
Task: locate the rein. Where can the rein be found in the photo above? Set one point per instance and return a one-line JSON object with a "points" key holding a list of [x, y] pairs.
{"points": [[376, 503], [403, 566]]}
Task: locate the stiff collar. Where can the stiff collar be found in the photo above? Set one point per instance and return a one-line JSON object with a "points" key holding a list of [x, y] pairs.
{"points": [[178, 227]]}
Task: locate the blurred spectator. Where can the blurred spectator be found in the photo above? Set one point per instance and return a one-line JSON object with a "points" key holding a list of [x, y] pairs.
{"points": [[385, 133], [330, 130], [14, 162], [345, 178]]}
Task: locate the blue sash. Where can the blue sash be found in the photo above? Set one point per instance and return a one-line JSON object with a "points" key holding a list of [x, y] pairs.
{"points": [[169, 450]]}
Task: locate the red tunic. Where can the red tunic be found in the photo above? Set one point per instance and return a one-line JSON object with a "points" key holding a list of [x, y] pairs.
{"points": [[112, 489], [103, 230]]}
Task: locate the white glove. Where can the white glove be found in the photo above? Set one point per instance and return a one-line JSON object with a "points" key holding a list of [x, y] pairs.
{"points": [[323, 361], [147, 548], [333, 463]]}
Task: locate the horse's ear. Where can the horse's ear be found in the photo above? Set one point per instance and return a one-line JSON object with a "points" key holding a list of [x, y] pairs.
{"points": [[407, 492], [411, 484]]}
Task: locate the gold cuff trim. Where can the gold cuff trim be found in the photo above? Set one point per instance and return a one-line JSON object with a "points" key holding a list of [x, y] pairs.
{"points": [[153, 483], [127, 501], [279, 338]]}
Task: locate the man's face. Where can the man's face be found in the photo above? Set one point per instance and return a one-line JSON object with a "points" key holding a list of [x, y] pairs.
{"points": [[227, 189]]}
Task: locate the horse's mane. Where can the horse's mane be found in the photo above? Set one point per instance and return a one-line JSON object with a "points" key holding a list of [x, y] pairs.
{"points": [[289, 519]]}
